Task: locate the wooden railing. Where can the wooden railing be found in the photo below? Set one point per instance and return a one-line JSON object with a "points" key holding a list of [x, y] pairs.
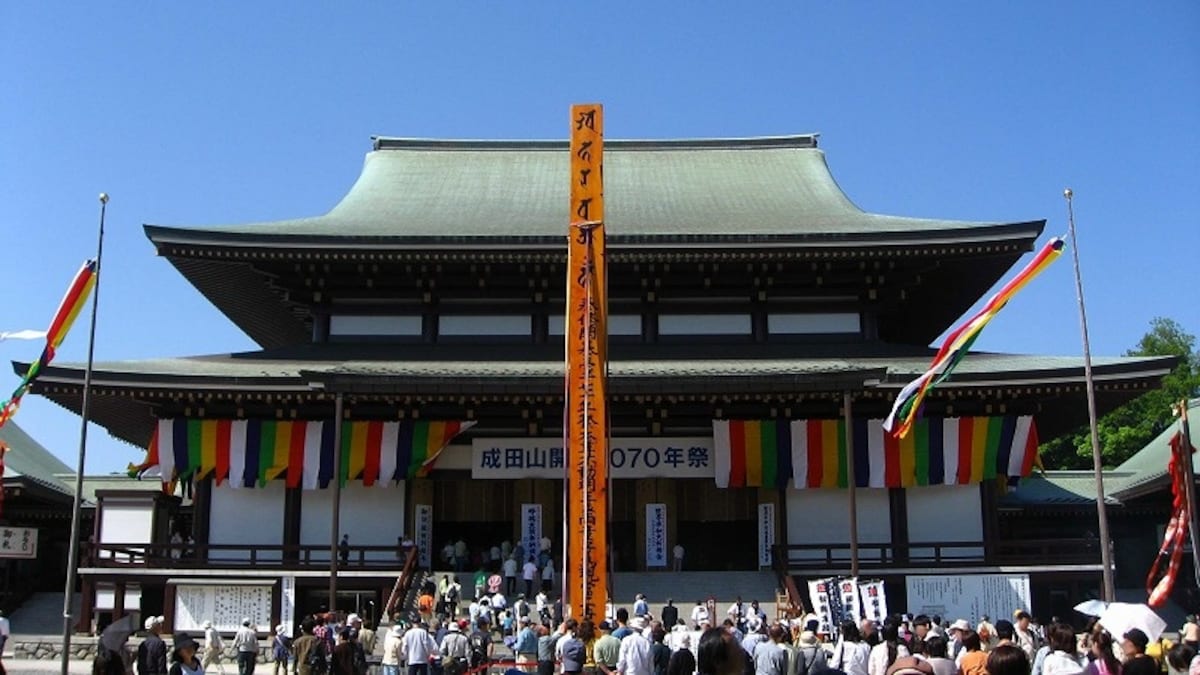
{"points": [[800, 557], [196, 556], [403, 582]]}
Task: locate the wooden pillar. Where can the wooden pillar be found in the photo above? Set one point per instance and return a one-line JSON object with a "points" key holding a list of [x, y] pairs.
{"points": [[988, 502], [898, 508], [118, 601], [169, 608], [87, 606], [293, 510], [202, 515]]}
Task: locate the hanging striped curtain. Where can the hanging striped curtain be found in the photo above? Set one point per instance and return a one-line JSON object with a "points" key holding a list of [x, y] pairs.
{"points": [[940, 451], [252, 452]]}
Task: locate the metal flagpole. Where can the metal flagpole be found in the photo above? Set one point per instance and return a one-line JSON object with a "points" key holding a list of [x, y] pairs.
{"points": [[73, 543], [1109, 591], [335, 525]]}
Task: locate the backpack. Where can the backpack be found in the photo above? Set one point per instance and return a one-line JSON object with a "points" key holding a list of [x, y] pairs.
{"points": [[317, 660], [452, 594], [479, 643]]}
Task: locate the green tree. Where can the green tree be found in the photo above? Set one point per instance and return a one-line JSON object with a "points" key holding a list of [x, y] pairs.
{"points": [[1130, 427]]}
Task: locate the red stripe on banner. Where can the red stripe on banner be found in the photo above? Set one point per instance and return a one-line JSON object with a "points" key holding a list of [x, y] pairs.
{"points": [[374, 447], [815, 453], [76, 294], [891, 461], [737, 453], [1031, 448], [966, 427], [224, 431], [295, 466]]}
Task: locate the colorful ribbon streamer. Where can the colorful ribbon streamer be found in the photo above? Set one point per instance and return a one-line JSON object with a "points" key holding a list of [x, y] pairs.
{"points": [[958, 343], [72, 303]]}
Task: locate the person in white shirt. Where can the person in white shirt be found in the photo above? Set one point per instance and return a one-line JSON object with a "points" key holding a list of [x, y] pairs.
{"points": [[418, 648], [245, 643], [393, 651], [699, 613], [884, 654], [530, 572], [510, 576], [851, 654], [633, 657], [548, 575], [678, 551]]}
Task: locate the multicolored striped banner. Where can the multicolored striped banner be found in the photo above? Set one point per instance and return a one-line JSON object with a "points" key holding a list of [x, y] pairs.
{"points": [[812, 453], [252, 452]]}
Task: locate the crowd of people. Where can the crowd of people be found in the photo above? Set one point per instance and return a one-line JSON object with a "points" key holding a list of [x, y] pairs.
{"points": [[447, 638]]}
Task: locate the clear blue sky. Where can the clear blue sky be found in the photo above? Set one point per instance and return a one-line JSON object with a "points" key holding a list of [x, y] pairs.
{"points": [[226, 112]]}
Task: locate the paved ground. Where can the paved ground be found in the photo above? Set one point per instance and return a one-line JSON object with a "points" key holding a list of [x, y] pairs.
{"points": [[22, 666]]}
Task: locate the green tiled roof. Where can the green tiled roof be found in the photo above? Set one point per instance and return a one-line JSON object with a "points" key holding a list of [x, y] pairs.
{"points": [[440, 190], [1063, 488], [1150, 463], [26, 457]]}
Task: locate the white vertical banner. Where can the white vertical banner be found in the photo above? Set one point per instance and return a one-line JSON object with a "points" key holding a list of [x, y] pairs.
{"points": [[874, 601], [287, 605], [848, 592], [818, 597], [531, 529], [656, 535], [423, 514], [766, 533]]}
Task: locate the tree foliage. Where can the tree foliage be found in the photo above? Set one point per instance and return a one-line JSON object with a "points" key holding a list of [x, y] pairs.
{"points": [[1130, 427]]}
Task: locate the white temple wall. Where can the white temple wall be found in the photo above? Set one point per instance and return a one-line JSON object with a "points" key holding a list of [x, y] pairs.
{"points": [[372, 516], [246, 517], [822, 516], [945, 513]]}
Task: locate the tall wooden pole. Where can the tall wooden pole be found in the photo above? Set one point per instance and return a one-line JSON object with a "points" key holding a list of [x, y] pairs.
{"points": [[84, 409], [586, 578], [1109, 590], [847, 418]]}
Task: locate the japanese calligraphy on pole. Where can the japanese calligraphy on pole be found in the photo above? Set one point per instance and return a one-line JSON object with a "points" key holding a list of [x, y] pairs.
{"points": [[586, 573]]}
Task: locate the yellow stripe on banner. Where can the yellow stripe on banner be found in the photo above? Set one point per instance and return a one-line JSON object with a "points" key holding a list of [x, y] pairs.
{"points": [[908, 460], [831, 453], [752, 435], [979, 433], [208, 448], [433, 440], [283, 449], [358, 449]]}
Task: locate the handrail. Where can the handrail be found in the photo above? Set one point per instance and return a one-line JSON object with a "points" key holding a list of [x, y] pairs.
{"points": [[192, 555], [787, 557], [403, 582]]}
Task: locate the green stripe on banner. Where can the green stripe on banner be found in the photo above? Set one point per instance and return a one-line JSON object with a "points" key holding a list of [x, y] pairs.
{"points": [[841, 455], [921, 451], [266, 451], [195, 436], [770, 452], [420, 449], [994, 428], [347, 436]]}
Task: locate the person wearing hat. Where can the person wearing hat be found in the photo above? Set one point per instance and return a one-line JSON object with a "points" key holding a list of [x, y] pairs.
{"points": [[1133, 644], [184, 656], [956, 632], [607, 649], [633, 656], [810, 656], [526, 646], [245, 643], [281, 649], [152, 653], [392, 650], [455, 649], [213, 647]]}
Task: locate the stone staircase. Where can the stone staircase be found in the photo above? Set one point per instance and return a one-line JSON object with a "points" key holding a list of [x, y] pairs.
{"points": [[41, 614], [688, 587]]}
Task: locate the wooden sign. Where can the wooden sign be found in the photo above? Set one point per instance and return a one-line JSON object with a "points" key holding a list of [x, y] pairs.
{"points": [[586, 570]]}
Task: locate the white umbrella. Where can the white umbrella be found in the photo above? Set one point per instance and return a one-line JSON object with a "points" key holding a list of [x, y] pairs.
{"points": [[1091, 607], [1121, 617]]}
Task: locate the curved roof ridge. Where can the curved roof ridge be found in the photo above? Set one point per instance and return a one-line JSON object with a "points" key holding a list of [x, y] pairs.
{"points": [[741, 143]]}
